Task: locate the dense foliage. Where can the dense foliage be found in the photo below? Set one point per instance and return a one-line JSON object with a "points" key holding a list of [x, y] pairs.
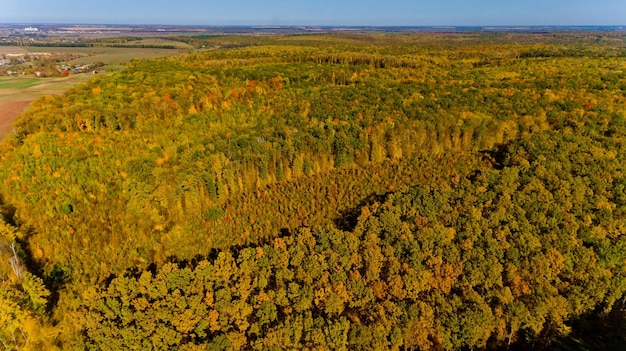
{"points": [[321, 192]]}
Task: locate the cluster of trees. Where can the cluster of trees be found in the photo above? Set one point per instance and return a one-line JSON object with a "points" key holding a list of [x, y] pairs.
{"points": [[464, 192], [24, 322], [500, 256]]}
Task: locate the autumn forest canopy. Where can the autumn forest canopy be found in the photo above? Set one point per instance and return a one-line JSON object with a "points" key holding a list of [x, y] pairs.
{"points": [[340, 192]]}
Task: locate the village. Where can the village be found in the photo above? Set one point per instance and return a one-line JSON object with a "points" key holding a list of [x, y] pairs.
{"points": [[43, 65]]}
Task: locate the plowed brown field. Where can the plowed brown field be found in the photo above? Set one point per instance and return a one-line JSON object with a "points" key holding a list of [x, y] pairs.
{"points": [[9, 110]]}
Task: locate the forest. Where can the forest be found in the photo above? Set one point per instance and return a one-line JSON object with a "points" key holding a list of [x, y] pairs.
{"points": [[325, 192]]}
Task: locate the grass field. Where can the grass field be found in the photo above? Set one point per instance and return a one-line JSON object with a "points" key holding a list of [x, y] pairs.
{"points": [[111, 56], [29, 89], [18, 83], [108, 55]]}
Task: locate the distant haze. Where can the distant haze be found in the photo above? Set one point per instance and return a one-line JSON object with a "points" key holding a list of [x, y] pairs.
{"points": [[320, 12]]}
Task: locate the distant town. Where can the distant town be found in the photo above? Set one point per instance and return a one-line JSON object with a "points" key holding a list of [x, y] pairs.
{"points": [[15, 32]]}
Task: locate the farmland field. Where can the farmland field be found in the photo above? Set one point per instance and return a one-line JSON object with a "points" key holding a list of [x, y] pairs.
{"points": [[28, 89], [22, 83], [19, 91], [9, 110], [159, 42]]}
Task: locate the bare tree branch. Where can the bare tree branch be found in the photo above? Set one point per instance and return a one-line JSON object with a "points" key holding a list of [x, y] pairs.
{"points": [[15, 263]]}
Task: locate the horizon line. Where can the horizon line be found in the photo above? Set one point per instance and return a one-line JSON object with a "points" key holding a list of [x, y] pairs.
{"points": [[321, 25]]}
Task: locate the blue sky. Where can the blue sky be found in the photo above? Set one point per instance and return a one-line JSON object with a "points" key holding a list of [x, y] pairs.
{"points": [[318, 12]]}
